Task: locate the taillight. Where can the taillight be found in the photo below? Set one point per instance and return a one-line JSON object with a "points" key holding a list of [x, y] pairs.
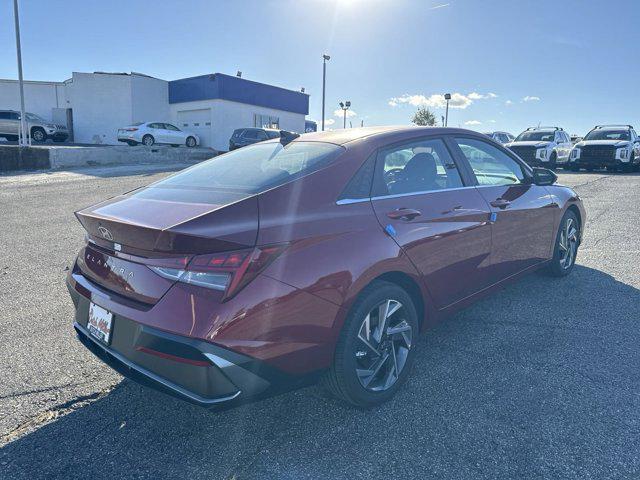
{"points": [[228, 272], [131, 129]]}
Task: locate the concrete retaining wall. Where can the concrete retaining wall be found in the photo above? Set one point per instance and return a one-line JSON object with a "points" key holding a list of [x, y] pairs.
{"points": [[13, 157]]}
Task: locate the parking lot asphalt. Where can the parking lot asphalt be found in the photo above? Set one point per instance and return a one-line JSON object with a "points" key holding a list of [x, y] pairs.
{"points": [[539, 381]]}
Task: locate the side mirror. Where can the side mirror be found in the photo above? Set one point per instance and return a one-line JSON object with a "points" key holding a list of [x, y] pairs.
{"points": [[544, 176]]}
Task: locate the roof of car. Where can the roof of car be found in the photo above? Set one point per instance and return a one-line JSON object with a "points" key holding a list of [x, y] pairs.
{"points": [[345, 135]]}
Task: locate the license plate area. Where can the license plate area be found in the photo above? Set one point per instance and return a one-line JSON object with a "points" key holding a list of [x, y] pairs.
{"points": [[100, 323]]}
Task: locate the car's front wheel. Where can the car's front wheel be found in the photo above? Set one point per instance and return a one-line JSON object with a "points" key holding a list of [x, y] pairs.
{"points": [[566, 247], [38, 135], [191, 142], [376, 348]]}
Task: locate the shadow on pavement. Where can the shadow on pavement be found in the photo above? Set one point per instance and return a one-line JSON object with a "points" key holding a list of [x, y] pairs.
{"points": [[540, 380]]}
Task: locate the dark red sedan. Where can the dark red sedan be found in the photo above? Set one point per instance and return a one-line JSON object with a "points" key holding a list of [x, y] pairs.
{"points": [[314, 256]]}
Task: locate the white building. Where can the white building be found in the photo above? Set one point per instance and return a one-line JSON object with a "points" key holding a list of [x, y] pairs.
{"points": [[95, 105]]}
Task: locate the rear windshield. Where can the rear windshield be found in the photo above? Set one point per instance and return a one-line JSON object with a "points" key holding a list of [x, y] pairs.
{"points": [[255, 168], [535, 136], [272, 133], [608, 135]]}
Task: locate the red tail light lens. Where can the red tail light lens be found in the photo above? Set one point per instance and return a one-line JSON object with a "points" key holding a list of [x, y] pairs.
{"points": [[131, 129], [228, 272]]}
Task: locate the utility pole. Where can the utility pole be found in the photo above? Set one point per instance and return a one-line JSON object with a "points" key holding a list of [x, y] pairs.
{"points": [[325, 57], [22, 138], [447, 97]]}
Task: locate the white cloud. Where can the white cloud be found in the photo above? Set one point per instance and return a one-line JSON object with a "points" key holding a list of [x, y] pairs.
{"points": [[508, 102], [531, 99], [340, 114], [473, 122], [443, 5], [329, 121], [436, 100], [492, 121]]}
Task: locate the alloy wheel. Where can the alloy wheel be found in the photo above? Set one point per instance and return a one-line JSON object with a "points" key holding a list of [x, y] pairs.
{"points": [[38, 135], [384, 341], [568, 244]]}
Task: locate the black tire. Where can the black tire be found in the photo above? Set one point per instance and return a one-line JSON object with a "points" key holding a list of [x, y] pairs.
{"points": [[148, 140], [341, 379], [573, 168], [553, 161], [630, 167], [190, 142], [38, 135], [556, 267]]}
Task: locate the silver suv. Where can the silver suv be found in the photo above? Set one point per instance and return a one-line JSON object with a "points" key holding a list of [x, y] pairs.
{"points": [[547, 147], [39, 129]]}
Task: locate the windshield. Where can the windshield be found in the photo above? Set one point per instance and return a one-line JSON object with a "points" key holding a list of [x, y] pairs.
{"points": [[608, 135], [34, 118], [255, 168], [536, 136]]}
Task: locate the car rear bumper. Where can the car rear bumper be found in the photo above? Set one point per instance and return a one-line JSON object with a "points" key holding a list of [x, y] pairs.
{"points": [[194, 370]]}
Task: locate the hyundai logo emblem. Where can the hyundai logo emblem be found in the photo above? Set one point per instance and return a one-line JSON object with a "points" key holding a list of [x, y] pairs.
{"points": [[105, 233]]}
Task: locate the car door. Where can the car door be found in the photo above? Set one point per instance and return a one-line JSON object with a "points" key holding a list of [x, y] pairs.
{"points": [[158, 132], [523, 213], [563, 147], [174, 134], [13, 123], [421, 201], [4, 123]]}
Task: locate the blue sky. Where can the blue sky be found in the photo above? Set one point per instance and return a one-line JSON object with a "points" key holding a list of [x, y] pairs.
{"points": [[512, 63]]}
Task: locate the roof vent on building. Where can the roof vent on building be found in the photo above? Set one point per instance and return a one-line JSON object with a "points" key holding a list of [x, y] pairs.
{"points": [[239, 74]]}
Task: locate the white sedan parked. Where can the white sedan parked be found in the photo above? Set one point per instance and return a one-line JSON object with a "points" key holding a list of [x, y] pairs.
{"points": [[150, 133]]}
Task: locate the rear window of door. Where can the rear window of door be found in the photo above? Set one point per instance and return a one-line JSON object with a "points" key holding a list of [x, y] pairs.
{"points": [[418, 166], [490, 165], [168, 126]]}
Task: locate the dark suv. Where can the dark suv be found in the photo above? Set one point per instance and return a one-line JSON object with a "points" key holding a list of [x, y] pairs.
{"points": [[246, 136]]}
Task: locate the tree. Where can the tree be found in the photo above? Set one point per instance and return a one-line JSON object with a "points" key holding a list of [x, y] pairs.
{"points": [[424, 117]]}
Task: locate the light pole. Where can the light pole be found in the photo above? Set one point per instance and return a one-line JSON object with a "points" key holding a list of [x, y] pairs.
{"points": [[447, 97], [22, 137], [344, 106], [325, 57]]}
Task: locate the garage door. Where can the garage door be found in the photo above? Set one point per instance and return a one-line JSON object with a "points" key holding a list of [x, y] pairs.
{"points": [[198, 122]]}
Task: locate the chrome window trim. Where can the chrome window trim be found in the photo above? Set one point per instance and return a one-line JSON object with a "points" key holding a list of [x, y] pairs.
{"points": [[349, 201]]}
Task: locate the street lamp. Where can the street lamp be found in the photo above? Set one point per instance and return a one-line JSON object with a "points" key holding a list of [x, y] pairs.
{"points": [[22, 137], [345, 106], [325, 57], [447, 97]]}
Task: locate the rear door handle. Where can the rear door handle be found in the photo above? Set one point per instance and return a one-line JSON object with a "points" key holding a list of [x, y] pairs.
{"points": [[404, 214], [500, 203]]}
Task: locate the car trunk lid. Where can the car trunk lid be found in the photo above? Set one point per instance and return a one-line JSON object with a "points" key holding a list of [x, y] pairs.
{"points": [[130, 232]]}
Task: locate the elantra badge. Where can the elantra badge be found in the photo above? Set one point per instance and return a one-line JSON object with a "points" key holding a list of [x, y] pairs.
{"points": [[105, 233]]}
